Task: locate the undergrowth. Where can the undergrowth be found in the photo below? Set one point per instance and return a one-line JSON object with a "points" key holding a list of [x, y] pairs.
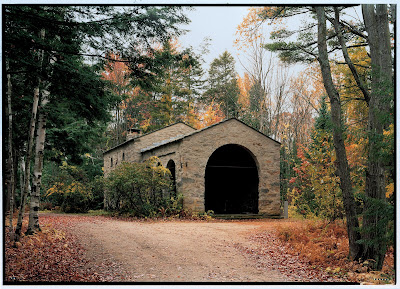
{"points": [[182, 214], [50, 255], [326, 245]]}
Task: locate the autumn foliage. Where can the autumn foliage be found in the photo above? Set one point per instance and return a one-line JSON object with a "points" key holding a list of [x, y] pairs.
{"points": [[324, 244], [51, 255]]}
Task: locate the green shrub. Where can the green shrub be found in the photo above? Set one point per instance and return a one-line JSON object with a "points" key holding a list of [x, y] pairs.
{"points": [[76, 199], [97, 189], [141, 189], [59, 180]]}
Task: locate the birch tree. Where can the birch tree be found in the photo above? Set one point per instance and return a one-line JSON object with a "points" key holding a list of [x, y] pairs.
{"points": [[72, 33], [33, 224], [10, 162], [30, 140], [270, 78]]}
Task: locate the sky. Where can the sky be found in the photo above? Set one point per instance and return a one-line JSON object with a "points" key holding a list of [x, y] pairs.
{"points": [[218, 23]]}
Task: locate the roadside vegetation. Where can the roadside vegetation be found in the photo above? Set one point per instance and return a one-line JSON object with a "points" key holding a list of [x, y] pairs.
{"points": [[75, 83], [301, 250], [325, 245]]}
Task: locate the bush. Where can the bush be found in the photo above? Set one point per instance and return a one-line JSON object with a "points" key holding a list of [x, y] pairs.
{"points": [[76, 199], [97, 189], [141, 189], [70, 187], [46, 206]]}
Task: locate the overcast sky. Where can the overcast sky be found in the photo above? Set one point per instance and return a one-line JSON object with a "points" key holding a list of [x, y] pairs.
{"points": [[218, 23]]}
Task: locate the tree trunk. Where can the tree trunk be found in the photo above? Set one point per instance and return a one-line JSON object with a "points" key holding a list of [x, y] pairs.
{"points": [[346, 56], [25, 189], [33, 224], [381, 96], [10, 157], [32, 126], [15, 172], [22, 174], [341, 158]]}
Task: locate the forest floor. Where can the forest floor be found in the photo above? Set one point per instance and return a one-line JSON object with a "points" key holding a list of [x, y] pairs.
{"points": [[100, 249]]}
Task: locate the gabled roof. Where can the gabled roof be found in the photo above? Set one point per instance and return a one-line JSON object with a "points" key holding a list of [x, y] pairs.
{"points": [[180, 137], [146, 134]]}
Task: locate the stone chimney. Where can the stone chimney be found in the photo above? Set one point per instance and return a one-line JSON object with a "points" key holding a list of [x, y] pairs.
{"points": [[133, 133]]}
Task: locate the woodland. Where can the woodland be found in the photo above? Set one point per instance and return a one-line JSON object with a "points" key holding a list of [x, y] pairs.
{"points": [[75, 78]]}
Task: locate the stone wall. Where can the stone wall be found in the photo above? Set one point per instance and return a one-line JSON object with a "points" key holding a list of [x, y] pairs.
{"points": [[191, 154], [165, 154], [195, 151]]}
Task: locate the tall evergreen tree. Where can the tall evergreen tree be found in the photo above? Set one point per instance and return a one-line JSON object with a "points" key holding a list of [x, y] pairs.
{"points": [[169, 94], [317, 190], [64, 37], [222, 84]]}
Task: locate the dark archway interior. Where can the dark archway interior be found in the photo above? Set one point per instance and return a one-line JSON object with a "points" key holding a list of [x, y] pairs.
{"points": [[171, 167], [231, 181]]}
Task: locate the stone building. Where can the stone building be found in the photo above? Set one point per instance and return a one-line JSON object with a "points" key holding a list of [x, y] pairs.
{"points": [[228, 167]]}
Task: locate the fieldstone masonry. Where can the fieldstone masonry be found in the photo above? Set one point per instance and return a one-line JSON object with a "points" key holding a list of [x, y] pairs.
{"points": [[191, 149]]}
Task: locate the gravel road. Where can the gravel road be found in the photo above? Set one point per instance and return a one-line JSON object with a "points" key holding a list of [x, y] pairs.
{"points": [[175, 251]]}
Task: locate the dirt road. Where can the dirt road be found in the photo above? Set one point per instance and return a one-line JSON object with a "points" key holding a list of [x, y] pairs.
{"points": [[175, 251]]}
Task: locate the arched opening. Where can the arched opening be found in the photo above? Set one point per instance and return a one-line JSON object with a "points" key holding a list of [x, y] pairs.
{"points": [[171, 167], [231, 181]]}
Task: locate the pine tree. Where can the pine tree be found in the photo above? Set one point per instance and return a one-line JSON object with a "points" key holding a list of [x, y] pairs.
{"points": [[169, 94], [223, 87], [63, 38], [317, 186]]}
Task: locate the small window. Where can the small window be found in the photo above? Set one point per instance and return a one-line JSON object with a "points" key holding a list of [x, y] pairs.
{"points": [[123, 156], [111, 162]]}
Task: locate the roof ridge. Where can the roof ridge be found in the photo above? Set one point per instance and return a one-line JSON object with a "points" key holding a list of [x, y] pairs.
{"points": [[177, 138], [146, 134]]}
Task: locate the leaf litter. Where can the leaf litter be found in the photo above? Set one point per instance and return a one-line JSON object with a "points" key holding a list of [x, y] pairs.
{"points": [[313, 251], [55, 255], [300, 250]]}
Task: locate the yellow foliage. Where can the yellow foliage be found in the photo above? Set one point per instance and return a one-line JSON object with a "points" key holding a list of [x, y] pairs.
{"points": [[146, 124], [154, 163], [390, 131], [57, 188], [250, 30], [389, 190]]}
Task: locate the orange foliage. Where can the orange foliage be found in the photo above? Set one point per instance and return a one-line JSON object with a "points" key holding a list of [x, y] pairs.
{"points": [[116, 72], [50, 255], [244, 84], [192, 118], [211, 115], [326, 245]]}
